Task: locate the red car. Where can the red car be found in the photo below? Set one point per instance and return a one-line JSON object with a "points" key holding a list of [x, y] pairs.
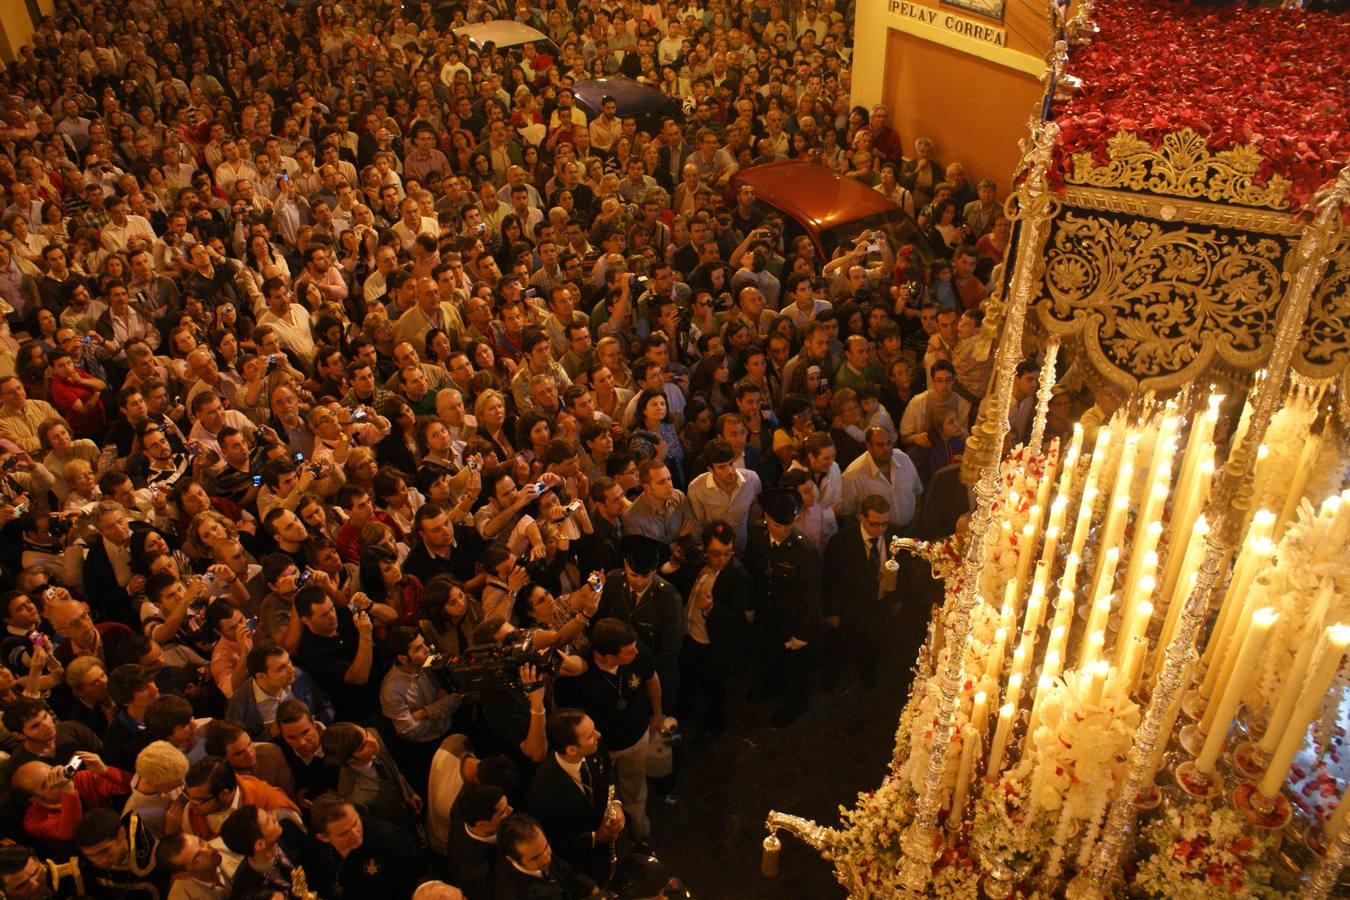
{"points": [[830, 209]]}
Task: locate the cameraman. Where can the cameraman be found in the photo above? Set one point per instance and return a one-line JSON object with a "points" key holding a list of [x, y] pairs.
{"points": [[419, 708], [513, 709]]}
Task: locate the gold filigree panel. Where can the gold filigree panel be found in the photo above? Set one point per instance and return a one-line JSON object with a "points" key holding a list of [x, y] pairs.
{"points": [[1157, 304], [1183, 166], [1325, 348]]}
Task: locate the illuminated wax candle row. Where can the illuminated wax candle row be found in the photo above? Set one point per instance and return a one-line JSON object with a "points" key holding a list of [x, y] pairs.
{"points": [[1310, 638], [1256, 551], [1247, 663], [1187, 504], [1090, 492], [1311, 447], [1119, 506], [1199, 444], [1244, 571], [1182, 588], [1315, 686]]}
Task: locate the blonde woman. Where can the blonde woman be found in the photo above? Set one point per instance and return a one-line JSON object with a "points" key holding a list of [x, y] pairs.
{"points": [[490, 411], [54, 436]]}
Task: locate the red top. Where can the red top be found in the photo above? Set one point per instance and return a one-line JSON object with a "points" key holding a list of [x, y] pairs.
{"points": [[92, 791]]}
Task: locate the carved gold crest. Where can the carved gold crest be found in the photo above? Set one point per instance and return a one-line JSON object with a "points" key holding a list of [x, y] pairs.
{"points": [[1182, 167]]}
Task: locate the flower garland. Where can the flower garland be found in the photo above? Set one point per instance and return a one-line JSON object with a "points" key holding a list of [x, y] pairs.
{"points": [[1278, 79], [1204, 853], [1005, 828]]}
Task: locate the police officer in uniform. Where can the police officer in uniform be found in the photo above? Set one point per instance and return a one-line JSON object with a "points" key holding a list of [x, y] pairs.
{"points": [[638, 595], [785, 573]]}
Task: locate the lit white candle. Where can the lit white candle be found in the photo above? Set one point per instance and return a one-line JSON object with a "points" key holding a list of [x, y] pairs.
{"points": [[1181, 569], [1307, 456], [1026, 552], [1315, 687], [994, 665], [1054, 658], [1224, 668], [1069, 580], [1135, 627], [1253, 645], [969, 739], [1236, 606], [1019, 661], [979, 712], [1106, 573], [1198, 443], [1043, 686], [1244, 570], [1332, 829], [1138, 594], [1131, 662], [1092, 650], [1310, 637], [1001, 733], [1096, 682]]}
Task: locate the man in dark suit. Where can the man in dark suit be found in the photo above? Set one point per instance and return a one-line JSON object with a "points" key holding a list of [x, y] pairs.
{"points": [[714, 619], [109, 553], [674, 151], [528, 870], [472, 844], [272, 849], [570, 792], [861, 598], [785, 585]]}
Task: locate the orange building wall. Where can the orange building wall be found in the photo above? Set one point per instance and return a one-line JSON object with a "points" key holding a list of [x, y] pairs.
{"points": [[975, 110]]}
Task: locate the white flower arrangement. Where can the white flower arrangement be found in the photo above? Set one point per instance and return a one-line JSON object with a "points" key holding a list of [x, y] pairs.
{"points": [[1077, 753], [1200, 852]]}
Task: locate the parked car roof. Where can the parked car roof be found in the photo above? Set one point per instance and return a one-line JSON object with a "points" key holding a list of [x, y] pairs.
{"points": [[633, 98], [503, 33], [830, 208]]}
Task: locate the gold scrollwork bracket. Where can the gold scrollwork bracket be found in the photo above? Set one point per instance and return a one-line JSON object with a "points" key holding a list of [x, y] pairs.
{"points": [[1182, 166]]}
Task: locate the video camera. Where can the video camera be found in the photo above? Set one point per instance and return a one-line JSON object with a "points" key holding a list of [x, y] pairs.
{"points": [[485, 668]]}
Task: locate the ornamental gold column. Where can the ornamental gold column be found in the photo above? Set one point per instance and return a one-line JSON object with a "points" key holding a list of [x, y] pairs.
{"points": [[1228, 501], [1031, 208]]}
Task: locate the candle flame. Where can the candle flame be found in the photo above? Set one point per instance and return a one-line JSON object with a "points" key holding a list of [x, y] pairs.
{"points": [[1015, 680], [1266, 617], [1339, 635], [1266, 517], [1201, 525]]}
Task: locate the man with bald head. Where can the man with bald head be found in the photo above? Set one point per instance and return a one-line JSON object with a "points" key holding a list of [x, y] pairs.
{"points": [[58, 797]]}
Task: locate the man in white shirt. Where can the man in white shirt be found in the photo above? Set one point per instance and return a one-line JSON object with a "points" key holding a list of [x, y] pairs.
{"points": [[122, 228], [724, 492], [885, 471], [914, 423], [412, 223], [289, 320]]}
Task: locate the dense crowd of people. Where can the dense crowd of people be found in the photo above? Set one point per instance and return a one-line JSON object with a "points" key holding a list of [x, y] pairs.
{"points": [[394, 456]]}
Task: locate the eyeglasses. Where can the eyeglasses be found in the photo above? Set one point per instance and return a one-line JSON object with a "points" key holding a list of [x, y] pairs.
{"points": [[68, 628]]}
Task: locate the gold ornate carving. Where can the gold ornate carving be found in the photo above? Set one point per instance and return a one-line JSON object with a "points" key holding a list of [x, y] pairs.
{"points": [[1183, 167], [1158, 304], [1172, 209], [1325, 348]]}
